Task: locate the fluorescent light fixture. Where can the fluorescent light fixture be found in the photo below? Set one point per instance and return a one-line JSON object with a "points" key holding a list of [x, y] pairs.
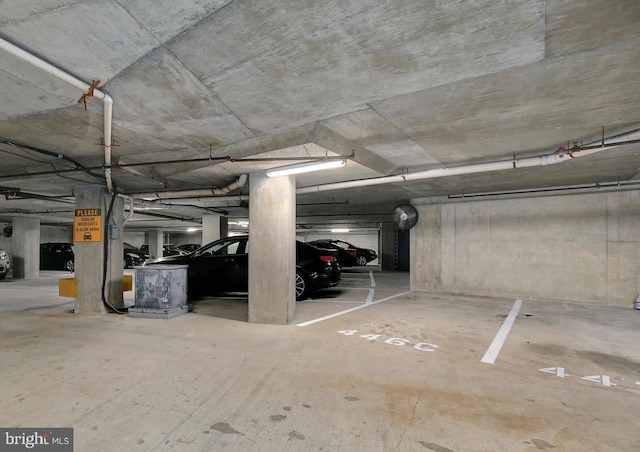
{"points": [[193, 229], [340, 230], [306, 167]]}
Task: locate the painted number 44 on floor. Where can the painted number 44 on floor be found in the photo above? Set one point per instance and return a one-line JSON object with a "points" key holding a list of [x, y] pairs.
{"points": [[422, 346]]}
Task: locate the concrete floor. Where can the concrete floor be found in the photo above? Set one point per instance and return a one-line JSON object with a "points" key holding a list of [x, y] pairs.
{"points": [[209, 381]]}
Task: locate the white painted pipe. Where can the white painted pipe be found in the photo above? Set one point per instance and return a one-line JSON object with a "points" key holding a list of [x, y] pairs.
{"points": [[108, 117], [129, 213], [232, 186], [74, 81], [209, 199], [242, 179], [526, 162]]}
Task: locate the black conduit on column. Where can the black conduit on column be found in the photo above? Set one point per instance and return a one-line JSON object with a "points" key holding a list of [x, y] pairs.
{"points": [[105, 253]]}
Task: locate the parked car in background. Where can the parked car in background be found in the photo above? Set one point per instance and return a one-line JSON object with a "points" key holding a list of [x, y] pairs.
{"points": [[5, 264], [133, 257], [223, 266], [167, 250], [56, 256], [363, 255], [346, 257], [189, 247]]}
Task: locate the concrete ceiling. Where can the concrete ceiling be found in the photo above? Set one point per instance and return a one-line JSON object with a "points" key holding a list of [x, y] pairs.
{"points": [[407, 85]]}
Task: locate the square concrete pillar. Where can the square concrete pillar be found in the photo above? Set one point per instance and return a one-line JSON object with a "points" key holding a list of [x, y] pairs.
{"points": [[211, 227], [272, 249], [98, 255], [25, 246], [156, 240], [89, 255]]}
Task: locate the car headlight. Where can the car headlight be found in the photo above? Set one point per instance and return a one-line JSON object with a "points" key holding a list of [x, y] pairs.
{"points": [[4, 255]]}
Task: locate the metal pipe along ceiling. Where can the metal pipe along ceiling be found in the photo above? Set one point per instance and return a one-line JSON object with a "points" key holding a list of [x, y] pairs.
{"points": [[541, 160], [179, 194], [74, 81]]}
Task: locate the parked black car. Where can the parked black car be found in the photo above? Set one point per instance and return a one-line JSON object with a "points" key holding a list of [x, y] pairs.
{"points": [[223, 266], [189, 247], [363, 255], [133, 257], [346, 257], [56, 256], [167, 250]]}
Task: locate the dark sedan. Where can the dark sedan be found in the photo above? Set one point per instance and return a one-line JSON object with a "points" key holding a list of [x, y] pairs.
{"points": [[189, 247], [56, 256], [346, 257], [363, 255], [223, 266], [133, 256], [167, 250]]}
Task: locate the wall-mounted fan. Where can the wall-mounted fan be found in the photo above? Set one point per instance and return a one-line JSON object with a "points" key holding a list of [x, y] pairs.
{"points": [[405, 216], [7, 231]]}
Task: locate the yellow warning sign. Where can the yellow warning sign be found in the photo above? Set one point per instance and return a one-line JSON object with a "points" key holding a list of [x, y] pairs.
{"points": [[87, 225]]}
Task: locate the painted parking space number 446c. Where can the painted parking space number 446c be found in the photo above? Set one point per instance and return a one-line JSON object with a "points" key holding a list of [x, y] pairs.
{"points": [[422, 346]]}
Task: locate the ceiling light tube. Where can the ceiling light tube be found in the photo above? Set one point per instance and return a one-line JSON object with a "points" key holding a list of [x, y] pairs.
{"points": [[306, 167]]}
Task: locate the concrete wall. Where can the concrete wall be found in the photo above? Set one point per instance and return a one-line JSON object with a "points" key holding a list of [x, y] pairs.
{"points": [[579, 247]]}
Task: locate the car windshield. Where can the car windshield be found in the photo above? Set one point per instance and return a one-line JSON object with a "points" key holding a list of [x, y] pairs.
{"points": [[232, 246]]}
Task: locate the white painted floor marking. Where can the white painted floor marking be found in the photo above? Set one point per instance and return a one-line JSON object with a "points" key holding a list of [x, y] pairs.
{"points": [[558, 371], [346, 311], [372, 292], [604, 379], [498, 341], [336, 301], [373, 281]]}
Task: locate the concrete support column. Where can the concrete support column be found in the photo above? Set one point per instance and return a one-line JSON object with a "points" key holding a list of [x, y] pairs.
{"points": [[224, 227], [90, 254], [211, 229], [25, 246], [156, 240], [272, 249], [388, 251]]}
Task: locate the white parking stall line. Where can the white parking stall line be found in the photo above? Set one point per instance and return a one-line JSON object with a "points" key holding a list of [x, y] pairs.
{"points": [[373, 281], [372, 292], [495, 347], [346, 311], [356, 288], [337, 301]]}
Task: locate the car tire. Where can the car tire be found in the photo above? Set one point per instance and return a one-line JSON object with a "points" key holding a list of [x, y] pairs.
{"points": [[302, 287], [2, 276], [361, 260], [68, 265]]}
